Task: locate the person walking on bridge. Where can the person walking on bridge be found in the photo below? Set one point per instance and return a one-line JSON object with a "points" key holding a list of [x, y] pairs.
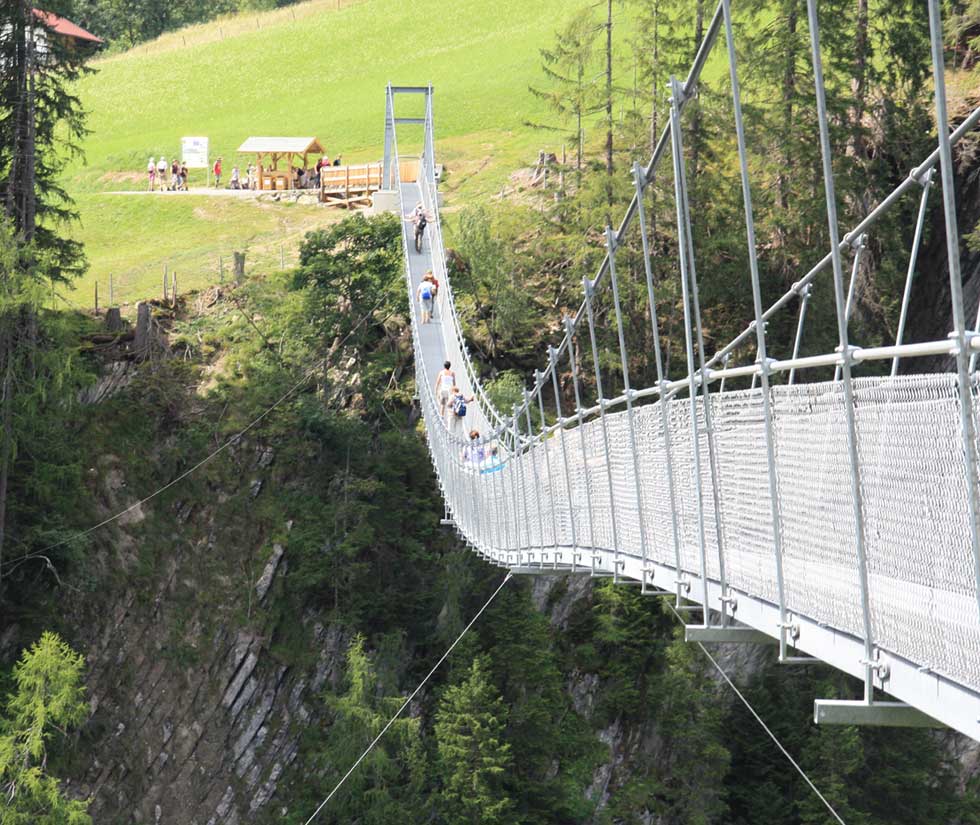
{"points": [[445, 381], [425, 294], [420, 218], [458, 410]]}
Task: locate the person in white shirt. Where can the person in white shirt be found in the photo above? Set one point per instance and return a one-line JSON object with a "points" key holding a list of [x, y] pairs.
{"points": [[425, 293], [445, 381], [162, 171], [151, 175]]}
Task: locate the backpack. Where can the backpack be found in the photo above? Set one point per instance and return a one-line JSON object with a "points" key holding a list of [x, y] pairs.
{"points": [[459, 406], [421, 224], [426, 293]]}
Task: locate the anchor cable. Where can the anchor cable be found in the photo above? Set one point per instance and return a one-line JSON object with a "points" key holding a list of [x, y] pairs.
{"points": [[406, 703]]}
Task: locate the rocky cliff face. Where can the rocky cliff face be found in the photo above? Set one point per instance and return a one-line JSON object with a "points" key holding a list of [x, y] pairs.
{"points": [[194, 719]]}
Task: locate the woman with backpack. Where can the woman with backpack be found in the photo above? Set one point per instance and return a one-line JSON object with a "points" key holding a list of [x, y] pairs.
{"points": [[425, 294], [420, 218], [457, 410]]}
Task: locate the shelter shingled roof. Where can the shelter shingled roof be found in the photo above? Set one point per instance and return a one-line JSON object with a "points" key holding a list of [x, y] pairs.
{"points": [[281, 145]]}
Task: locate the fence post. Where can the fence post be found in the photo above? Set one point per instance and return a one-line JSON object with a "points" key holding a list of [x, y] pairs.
{"points": [[166, 284], [96, 297], [221, 269]]}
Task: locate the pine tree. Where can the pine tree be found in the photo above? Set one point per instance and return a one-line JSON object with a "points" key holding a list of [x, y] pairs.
{"points": [[41, 124], [48, 701], [385, 788], [569, 67], [473, 758]]}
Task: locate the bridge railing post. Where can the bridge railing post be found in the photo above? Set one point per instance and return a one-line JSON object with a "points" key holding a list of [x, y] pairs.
{"points": [[588, 288], [845, 349], [552, 487], [569, 337], [553, 361], [805, 291], [639, 181], [684, 248], [521, 485], [860, 245], [760, 329], [628, 393], [532, 456], [963, 340], [920, 221]]}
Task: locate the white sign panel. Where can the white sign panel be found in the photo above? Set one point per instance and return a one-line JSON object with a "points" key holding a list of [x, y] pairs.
{"points": [[194, 151]]}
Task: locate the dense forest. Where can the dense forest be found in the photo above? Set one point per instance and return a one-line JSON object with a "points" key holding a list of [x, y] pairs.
{"points": [[227, 647]]}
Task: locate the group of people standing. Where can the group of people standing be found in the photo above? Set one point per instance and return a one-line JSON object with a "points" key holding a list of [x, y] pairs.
{"points": [[157, 175]]}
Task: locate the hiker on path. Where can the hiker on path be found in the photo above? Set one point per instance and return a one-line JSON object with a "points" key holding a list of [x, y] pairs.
{"points": [[216, 171], [420, 218], [162, 172], [151, 175], [250, 179], [236, 179], [184, 173], [457, 410], [174, 175], [435, 290], [445, 381], [425, 295]]}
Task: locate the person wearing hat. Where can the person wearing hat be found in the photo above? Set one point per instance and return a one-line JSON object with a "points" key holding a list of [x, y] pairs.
{"points": [[216, 171], [151, 175]]}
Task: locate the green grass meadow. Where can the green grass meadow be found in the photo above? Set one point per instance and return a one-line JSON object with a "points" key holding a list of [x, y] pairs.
{"points": [[314, 69]]}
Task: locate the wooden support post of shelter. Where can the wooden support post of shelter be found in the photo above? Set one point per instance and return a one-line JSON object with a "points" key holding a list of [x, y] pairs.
{"points": [[276, 149]]}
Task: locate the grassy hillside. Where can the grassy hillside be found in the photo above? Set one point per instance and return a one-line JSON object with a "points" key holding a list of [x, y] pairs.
{"points": [[316, 69]]}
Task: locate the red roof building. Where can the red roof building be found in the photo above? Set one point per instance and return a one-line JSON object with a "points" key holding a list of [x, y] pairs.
{"points": [[66, 29]]}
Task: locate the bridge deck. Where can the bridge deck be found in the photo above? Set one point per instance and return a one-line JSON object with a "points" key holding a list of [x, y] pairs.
{"points": [[561, 501]]}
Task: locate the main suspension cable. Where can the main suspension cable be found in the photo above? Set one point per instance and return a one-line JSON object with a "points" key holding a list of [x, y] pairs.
{"points": [[406, 703]]}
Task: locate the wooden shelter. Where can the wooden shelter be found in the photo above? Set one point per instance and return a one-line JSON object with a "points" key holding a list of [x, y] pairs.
{"points": [[269, 151]]}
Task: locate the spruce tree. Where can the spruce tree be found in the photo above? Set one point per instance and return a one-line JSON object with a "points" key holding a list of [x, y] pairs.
{"points": [[386, 785], [569, 67], [473, 756], [41, 125]]}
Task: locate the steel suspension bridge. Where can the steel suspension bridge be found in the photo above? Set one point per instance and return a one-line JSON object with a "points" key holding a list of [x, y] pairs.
{"points": [[835, 518]]}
